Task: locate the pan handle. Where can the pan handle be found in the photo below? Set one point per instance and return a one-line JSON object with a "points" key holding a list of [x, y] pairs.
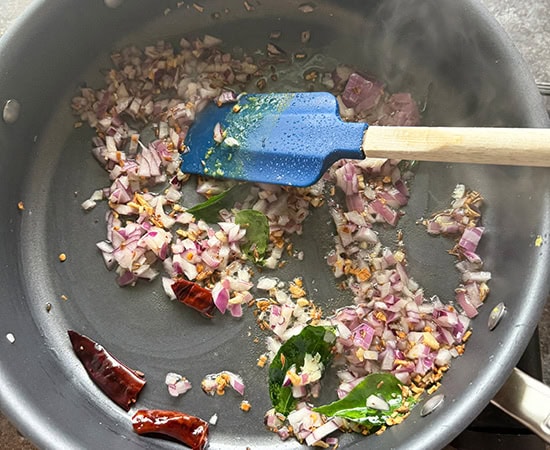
{"points": [[528, 401]]}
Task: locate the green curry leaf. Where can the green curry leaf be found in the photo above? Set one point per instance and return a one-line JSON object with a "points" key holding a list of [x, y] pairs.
{"points": [[354, 405], [312, 340], [209, 210], [257, 232]]}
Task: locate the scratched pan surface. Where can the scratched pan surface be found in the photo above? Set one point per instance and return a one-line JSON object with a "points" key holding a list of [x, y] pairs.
{"points": [[472, 79]]}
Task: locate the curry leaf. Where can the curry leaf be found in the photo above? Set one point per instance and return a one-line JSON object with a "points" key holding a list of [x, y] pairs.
{"points": [[312, 340], [257, 232], [210, 209], [354, 405]]}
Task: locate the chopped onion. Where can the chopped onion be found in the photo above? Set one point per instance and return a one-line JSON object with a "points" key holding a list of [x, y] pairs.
{"points": [[321, 432], [375, 402], [361, 94], [218, 381], [266, 283], [88, 204], [470, 238], [391, 327], [177, 385], [219, 134]]}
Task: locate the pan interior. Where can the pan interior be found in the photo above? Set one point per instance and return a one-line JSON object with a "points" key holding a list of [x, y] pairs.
{"points": [[150, 333]]}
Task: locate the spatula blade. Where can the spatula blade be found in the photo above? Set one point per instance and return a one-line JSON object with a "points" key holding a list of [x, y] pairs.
{"points": [[288, 139]]}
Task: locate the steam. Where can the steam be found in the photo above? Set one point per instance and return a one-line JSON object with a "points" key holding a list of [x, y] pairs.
{"points": [[440, 50], [432, 48]]}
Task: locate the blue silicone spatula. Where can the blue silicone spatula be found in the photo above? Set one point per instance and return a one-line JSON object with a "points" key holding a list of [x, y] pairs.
{"points": [[293, 138]]}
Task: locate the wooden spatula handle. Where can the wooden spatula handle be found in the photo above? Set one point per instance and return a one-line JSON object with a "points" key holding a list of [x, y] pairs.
{"points": [[508, 146]]}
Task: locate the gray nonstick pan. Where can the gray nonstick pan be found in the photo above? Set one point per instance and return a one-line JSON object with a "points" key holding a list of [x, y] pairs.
{"points": [[450, 54]]}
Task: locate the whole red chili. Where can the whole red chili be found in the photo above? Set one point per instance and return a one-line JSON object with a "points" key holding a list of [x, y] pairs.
{"points": [[190, 430], [120, 383], [195, 296]]}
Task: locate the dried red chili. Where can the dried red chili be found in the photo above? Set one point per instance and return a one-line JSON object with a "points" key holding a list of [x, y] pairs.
{"points": [[195, 296], [190, 430], [120, 383]]}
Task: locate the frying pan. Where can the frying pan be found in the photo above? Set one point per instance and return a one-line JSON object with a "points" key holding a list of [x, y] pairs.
{"points": [[451, 54]]}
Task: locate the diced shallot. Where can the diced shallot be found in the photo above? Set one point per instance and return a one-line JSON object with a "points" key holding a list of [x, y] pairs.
{"points": [[177, 385]]}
